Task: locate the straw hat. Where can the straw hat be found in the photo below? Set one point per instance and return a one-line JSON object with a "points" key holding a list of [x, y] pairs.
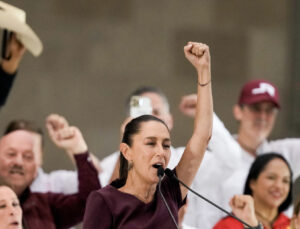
{"points": [[14, 19]]}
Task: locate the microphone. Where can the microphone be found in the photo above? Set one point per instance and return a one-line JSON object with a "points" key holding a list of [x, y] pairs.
{"points": [[171, 174], [160, 173]]}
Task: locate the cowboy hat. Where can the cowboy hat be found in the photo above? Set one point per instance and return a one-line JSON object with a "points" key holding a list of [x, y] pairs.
{"points": [[14, 19]]}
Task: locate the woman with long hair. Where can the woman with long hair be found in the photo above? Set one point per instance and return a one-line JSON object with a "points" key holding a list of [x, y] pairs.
{"points": [[267, 193], [134, 201]]}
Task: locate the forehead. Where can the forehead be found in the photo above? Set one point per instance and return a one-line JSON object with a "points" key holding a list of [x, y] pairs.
{"points": [[6, 193], [20, 139], [277, 166], [154, 129]]}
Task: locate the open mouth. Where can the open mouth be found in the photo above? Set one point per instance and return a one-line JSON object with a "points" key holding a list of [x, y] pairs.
{"points": [[15, 223], [157, 165]]}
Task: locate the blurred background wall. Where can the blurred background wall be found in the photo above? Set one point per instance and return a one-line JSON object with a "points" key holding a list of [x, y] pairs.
{"points": [[97, 52]]}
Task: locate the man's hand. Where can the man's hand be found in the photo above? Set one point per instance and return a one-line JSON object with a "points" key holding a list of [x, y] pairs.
{"points": [[16, 51], [64, 136], [188, 105], [243, 207]]}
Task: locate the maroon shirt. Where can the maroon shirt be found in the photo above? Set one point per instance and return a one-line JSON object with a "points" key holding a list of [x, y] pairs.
{"points": [[111, 208], [51, 210]]}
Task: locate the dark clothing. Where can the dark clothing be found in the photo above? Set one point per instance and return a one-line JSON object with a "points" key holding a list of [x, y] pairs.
{"points": [[6, 82], [281, 222], [52, 210], [111, 208]]}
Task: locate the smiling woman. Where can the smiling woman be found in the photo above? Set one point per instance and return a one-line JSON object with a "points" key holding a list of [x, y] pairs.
{"points": [[133, 201], [269, 183], [10, 210]]}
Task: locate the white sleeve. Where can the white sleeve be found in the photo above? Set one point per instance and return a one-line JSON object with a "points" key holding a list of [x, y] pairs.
{"points": [[207, 182], [219, 162], [108, 165], [59, 181], [63, 181], [223, 145], [290, 149]]}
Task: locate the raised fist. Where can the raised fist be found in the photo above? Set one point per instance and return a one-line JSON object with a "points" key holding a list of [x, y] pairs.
{"points": [[243, 207], [198, 54], [188, 105], [64, 136]]}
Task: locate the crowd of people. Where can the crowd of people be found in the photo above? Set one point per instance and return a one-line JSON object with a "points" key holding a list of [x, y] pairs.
{"points": [[145, 183]]}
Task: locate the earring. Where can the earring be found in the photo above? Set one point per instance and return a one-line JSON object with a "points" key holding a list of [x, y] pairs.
{"points": [[130, 165]]}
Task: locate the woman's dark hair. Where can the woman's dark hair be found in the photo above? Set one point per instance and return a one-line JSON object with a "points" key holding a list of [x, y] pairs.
{"points": [[131, 129], [258, 166]]}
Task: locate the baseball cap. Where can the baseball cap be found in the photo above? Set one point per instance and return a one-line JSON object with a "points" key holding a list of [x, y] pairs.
{"points": [[256, 91]]}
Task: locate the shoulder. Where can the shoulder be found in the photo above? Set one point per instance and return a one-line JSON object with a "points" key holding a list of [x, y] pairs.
{"points": [[285, 142], [97, 207], [106, 192], [108, 195], [282, 220], [228, 223]]}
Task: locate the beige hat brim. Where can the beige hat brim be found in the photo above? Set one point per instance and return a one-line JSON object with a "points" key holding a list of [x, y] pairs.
{"points": [[24, 33]]}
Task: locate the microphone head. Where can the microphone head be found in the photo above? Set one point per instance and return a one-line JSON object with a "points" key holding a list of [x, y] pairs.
{"points": [[169, 173], [160, 171]]}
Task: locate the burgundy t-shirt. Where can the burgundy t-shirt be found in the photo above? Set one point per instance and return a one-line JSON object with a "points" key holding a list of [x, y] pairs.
{"points": [[111, 208]]}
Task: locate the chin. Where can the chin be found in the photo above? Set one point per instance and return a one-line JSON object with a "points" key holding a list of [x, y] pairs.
{"points": [[154, 180]]}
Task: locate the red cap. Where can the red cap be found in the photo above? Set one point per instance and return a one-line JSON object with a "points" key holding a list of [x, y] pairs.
{"points": [[256, 91]]}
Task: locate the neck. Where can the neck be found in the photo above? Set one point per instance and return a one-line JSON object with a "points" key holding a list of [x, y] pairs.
{"points": [[265, 215], [138, 187], [248, 143]]}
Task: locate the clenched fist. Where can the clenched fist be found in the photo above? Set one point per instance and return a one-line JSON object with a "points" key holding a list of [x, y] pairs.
{"points": [[64, 136]]}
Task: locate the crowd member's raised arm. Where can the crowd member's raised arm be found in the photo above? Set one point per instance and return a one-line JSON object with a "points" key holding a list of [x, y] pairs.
{"points": [[199, 56], [9, 67], [65, 136], [56, 122], [69, 209]]}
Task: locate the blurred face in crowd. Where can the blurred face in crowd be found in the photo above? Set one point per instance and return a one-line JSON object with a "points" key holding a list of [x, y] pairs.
{"points": [[271, 187], [20, 157], [159, 108], [10, 210], [256, 120], [150, 147]]}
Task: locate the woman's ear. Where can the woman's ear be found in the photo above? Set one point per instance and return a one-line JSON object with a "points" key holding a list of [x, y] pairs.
{"points": [[126, 151], [252, 185]]}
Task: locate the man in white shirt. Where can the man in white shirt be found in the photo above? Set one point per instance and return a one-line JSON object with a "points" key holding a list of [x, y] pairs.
{"points": [[256, 113]]}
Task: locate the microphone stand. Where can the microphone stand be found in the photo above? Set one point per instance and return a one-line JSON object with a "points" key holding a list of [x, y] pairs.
{"points": [[170, 174], [160, 173]]}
